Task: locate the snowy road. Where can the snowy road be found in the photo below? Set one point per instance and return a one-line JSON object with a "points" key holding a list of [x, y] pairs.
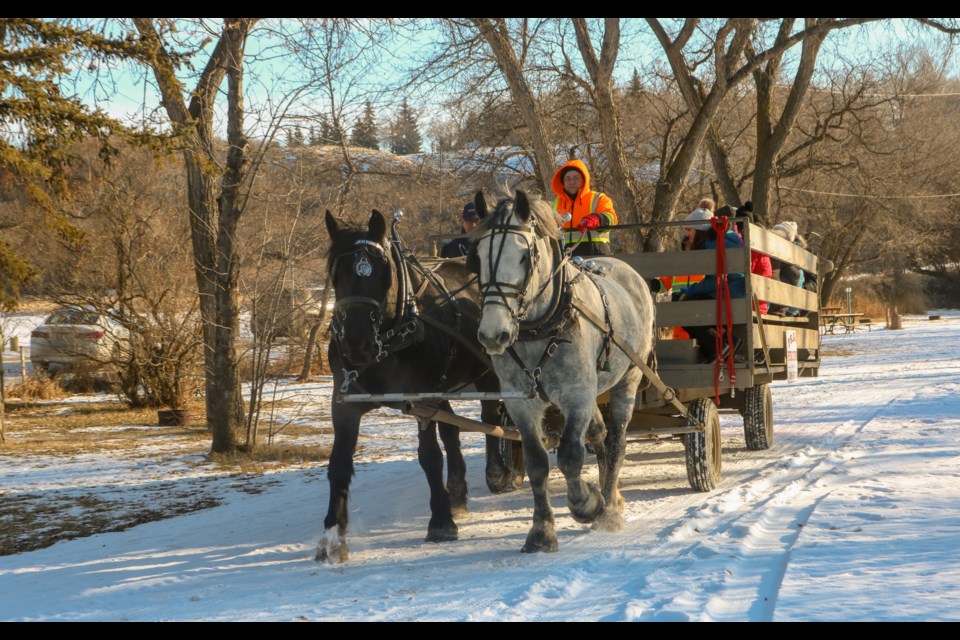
{"points": [[851, 515]]}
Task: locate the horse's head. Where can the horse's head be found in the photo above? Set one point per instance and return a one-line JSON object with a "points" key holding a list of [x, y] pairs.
{"points": [[360, 270], [510, 247]]}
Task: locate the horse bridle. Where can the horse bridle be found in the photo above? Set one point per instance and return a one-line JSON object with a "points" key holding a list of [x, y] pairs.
{"points": [[362, 267], [498, 292], [493, 292]]}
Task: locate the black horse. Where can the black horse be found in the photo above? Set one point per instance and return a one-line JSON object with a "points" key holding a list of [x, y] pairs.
{"points": [[402, 327]]}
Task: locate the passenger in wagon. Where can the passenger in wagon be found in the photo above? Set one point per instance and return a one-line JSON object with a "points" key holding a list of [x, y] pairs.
{"points": [[700, 235], [591, 212], [461, 246], [785, 271], [759, 262]]}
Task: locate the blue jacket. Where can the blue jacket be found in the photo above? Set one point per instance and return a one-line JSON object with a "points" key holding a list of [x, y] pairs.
{"points": [[707, 288], [456, 248]]}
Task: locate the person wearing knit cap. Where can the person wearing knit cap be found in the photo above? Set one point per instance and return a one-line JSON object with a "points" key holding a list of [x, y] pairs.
{"points": [[696, 228], [701, 235], [590, 211], [461, 246]]}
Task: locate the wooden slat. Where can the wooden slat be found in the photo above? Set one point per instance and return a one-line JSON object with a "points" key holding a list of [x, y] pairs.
{"points": [[678, 351], [681, 263], [782, 293], [777, 247], [806, 338], [694, 313]]}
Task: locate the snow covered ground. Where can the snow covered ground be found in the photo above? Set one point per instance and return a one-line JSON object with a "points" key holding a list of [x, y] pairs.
{"points": [[852, 515]]}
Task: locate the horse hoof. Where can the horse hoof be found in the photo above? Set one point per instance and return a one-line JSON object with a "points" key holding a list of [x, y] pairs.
{"points": [[544, 546], [504, 483], [590, 510], [332, 547], [443, 534], [458, 496], [337, 555], [609, 521]]}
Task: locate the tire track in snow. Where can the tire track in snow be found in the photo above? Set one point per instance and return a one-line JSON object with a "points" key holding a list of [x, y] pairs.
{"points": [[752, 528]]}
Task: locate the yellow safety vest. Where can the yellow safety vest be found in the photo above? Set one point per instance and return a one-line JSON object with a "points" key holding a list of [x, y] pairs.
{"points": [[572, 236]]}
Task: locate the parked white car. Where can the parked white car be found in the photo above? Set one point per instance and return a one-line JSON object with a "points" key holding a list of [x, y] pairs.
{"points": [[75, 337]]}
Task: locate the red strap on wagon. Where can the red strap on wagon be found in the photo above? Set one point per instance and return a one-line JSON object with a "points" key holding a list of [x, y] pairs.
{"points": [[723, 310]]}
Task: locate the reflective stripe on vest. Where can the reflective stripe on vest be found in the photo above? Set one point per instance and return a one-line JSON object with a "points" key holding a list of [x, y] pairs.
{"points": [[568, 237]]}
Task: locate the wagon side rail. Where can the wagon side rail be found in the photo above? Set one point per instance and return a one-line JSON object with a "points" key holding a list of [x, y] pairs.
{"points": [[764, 352]]}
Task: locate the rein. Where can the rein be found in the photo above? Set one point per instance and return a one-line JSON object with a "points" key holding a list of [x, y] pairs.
{"points": [[720, 224]]}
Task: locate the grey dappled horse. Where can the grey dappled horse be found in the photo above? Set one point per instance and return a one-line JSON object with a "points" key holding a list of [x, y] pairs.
{"points": [[547, 325]]}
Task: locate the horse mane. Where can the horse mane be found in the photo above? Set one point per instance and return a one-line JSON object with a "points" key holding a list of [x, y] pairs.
{"points": [[543, 214]]}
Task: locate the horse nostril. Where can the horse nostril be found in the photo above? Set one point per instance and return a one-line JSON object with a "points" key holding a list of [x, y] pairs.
{"points": [[503, 338]]}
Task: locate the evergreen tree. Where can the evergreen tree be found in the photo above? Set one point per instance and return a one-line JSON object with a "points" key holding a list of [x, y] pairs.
{"points": [[365, 130], [295, 137], [41, 122], [330, 132], [404, 132], [635, 88]]}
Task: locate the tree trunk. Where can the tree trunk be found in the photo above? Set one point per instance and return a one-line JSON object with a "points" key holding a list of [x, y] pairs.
{"points": [[494, 31], [213, 218], [315, 331], [623, 188], [893, 319]]}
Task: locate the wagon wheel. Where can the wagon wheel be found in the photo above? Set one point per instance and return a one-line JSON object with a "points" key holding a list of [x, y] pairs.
{"points": [[758, 417], [703, 448]]}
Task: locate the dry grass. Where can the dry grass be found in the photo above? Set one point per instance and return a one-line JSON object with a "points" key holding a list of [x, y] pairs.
{"points": [[36, 388], [35, 305], [267, 457], [96, 427], [43, 429], [30, 521]]}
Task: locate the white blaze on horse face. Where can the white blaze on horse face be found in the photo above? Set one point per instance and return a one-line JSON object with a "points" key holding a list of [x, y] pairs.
{"points": [[507, 265]]}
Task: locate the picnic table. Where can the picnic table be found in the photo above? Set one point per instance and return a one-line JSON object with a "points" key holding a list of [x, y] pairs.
{"points": [[829, 322]]}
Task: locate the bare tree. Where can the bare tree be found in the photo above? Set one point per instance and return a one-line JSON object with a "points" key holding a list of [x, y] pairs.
{"points": [[737, 53], [214, 209], [497, 36]]}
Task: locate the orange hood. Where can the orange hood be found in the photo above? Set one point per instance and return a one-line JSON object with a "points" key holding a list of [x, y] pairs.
{"points": [[557, 183]]}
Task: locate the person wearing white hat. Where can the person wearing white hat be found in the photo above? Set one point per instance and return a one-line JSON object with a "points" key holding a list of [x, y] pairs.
{"points": [[784, 271]]}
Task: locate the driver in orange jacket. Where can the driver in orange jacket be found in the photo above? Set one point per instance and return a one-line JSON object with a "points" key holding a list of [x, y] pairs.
{"points": [[591, 212]]}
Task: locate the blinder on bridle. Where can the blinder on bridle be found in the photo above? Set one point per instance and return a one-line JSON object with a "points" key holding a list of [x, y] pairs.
{"points": [[495, 291], [366, 252]]}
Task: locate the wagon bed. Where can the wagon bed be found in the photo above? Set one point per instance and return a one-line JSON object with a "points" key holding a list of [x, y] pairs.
{"points": [[764, 356]]}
